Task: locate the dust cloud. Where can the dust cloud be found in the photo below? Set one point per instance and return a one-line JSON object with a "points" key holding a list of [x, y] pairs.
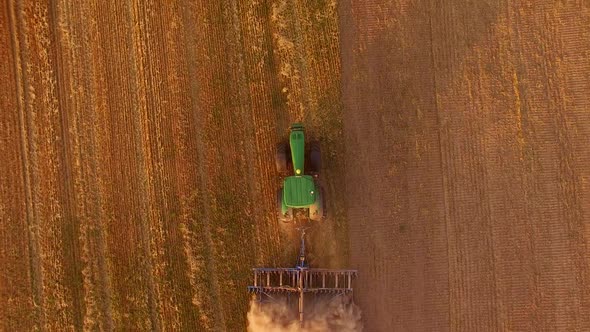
{"points": [[338, 314]]}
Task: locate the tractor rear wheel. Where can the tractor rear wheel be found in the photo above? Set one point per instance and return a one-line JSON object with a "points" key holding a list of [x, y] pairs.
{"points": [[315, 158], [284, 214], [281, 157], [317, 211]]}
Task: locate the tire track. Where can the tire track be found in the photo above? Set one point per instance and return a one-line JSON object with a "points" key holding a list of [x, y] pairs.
{"points": [[257, 50], [32, 53], [97, 283], [71, 228], [33, 237], [231, 216], [152, 227], [199, 254], [160, 126], [99, 290], [324, 124], [142, 141], [287, 38], [18, 279], [93, 309], [208, 300], [120, 171]]}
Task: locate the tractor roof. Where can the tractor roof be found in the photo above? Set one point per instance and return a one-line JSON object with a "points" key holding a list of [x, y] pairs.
{"points": [[299, 191]]}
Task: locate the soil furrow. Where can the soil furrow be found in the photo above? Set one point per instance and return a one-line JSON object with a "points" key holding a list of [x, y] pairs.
{"points": [[17, 279]]}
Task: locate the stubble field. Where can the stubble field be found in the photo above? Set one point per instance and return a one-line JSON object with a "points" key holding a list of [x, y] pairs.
{"points": [[137, 181], [137, 169]]}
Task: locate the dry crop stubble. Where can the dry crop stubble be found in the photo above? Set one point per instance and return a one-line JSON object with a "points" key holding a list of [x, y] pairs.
{"points": [[139, 156]]}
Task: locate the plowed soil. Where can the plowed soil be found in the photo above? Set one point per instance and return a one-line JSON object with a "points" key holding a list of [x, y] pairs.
{"points": [[137, 181], [467, 127]]}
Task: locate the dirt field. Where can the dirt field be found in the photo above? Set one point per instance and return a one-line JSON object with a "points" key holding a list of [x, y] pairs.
{"points": [[137, 142], [137, 166], [467, 129]]}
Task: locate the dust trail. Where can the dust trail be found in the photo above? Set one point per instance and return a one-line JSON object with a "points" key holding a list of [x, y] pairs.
{"points": [[339, 314]]}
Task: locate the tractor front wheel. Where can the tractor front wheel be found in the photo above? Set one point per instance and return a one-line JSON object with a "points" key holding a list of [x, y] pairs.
{"points": [[281, 157], [315, 158]]}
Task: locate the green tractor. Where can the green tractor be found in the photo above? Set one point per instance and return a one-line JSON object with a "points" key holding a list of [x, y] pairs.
{"points": [[300, 191]]}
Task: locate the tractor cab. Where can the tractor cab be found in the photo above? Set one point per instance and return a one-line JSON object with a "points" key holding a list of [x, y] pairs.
{"points": [[297, 147]]}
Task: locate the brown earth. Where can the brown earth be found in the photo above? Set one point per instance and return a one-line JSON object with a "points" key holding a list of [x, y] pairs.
{"points": [[137, 139], [467, 128], [137, 149]]}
